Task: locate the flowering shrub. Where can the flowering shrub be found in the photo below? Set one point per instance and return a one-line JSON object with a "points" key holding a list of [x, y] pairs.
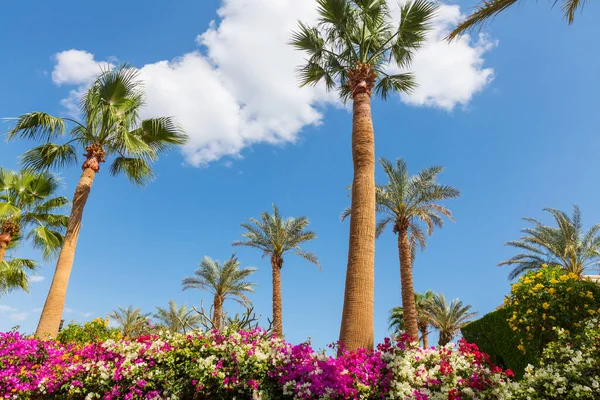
{"points": [[569, 368], [95, 330], [443, 373], [548, 298], [240, 365]]}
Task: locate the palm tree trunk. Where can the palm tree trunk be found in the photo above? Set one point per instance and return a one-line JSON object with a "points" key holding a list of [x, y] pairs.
{"points": [[276, 264], [4, 242], [359, 296], [444, 338], [406, 278], [55, 302], [217, 312], [425, 337]]}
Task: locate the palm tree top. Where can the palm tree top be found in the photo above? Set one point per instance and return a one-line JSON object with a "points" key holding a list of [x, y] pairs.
{"points": [[222, 279], [110, 126], [565, 244], [489, 9], [356, 41], [276, 236]]}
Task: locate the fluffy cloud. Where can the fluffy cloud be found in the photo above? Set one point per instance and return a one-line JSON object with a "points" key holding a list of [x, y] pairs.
{"points": [[5, 309], [22, 316], [37, 278], [242, 88]]}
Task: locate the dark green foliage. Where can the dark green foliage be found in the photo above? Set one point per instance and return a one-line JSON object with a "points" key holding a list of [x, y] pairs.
{"points": [[493, 336]]}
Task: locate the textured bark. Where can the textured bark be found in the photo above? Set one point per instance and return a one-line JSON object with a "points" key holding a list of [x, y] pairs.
{"points": [[406, 277], [444, 339], [3, 247], [425, 337], [357, 317], [276, 264], [55, 302], [217, 312]]}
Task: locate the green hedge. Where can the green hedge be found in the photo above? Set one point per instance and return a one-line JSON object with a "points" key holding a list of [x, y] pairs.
{"points": [[493, 336]]}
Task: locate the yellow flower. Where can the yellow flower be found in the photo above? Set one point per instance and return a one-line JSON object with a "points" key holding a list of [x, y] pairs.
{"points": [[545, 305], [552, 317], [526, 280], [589, 295], [551, 291], [553, 281], [563, 278], [592, 312], [573, 275], [544, 265], [529, 311], [544, 316], [514, 328]]}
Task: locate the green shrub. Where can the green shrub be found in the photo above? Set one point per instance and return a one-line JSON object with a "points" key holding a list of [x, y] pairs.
{"points": [[547, 298], [493, 336], [96, 330]]}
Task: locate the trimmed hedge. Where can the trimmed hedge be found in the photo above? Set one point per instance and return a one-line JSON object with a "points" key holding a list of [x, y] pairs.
{"points": [[493, 336]]}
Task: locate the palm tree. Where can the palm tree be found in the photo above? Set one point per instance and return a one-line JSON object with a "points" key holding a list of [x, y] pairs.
{"points": [[407, 202], [28, 209], [489, 9], [276, 237], [110, 126], [565, 244], [177, 319], [131, 321], [351, 49], [396, 318], [223, 281], [447, 318]]}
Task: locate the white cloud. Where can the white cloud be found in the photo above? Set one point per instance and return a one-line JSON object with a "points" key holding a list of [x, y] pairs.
{"points": [[242, 88], [68, 310], [37, 278], [87, 314], [37, 310], [5, 309], [22, 316]]}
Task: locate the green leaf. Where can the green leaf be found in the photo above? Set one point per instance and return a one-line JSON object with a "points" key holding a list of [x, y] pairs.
{"points": [[49, 155], [137, 170]]}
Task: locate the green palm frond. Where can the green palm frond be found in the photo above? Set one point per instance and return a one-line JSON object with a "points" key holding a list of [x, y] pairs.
{"points": [[447, 318], [36, 126], [132, 321], [13, 275], [350, 32], [565, 244], [177, 319], [49, 155]]}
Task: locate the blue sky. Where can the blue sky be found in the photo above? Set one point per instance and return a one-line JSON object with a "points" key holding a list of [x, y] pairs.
{"points": [[512, 116]]}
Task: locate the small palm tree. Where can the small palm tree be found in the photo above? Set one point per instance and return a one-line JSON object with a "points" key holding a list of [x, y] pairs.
{"points": [[489, 9], [396, 318], [177, 319], [110, 127], [351, 49], [447, 318], [223, 280], [131, 321], [408, 202], [29, 209], [564, 244], [276, 237]]}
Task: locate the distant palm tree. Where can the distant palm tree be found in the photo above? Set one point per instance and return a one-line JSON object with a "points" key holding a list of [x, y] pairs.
{"points": [[396, 318], [29, 208], [565, 245], [223, 280], [276, 237], [447, 318], [408, 202], [177, 319], [111, 126], [351, 49], [489, 9], [131, 321]]}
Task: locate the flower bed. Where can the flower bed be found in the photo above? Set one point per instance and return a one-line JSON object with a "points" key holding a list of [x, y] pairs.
{"points": [[241, 365]]}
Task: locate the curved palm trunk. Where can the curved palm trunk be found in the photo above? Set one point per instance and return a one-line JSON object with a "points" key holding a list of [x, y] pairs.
{"points": [[4, 242], [425, 337], [55, 302], [9, 229], [359, 296], [276, 264], [445, 338], [217, 312], [408, 292]]}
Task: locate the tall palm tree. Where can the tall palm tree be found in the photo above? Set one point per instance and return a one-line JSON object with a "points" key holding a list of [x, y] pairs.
{"points": [[396, 318], [448, 318], [177, 319], [564, 244], [223, 281], [29, 208], [110, 127], [131, 321], [276, 237], [408, 202], [489, 9], [353, 48]]}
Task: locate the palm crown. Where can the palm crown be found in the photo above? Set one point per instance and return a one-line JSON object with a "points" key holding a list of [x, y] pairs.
{"points": [[276, 236], [565, 244], [447, 318], [110, 127], [27, 202], [225, 280], [177, 319], [131, 321], [355, 41]]}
